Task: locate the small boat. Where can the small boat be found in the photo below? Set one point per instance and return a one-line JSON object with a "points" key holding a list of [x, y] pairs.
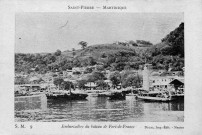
{"points": [[67, 95], [116, 95], [162, 96], [78, 96]]}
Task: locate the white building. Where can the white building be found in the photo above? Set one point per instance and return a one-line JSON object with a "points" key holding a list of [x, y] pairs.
{"points": [[161, 82], [158, 80]]}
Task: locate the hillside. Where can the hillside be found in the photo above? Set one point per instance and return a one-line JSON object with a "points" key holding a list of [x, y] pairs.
{"points": [[169, 53], [172, 44], [96, 51]]}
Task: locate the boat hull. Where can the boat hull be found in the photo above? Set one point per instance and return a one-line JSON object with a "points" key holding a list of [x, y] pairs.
{"points": [[93, 94], [117, 96], [179, 97], [132, 95], [68, 97], [159, 99]]}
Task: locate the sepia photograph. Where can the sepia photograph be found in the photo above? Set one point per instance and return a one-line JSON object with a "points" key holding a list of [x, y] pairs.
{"points": [[99, 67]]}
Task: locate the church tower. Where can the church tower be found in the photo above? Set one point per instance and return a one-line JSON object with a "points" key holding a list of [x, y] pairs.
{"points": [[146, 74]]}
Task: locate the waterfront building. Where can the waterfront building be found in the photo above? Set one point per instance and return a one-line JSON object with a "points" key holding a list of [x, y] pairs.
{"points": [[177, 83], [161, 80], [91, 85]]}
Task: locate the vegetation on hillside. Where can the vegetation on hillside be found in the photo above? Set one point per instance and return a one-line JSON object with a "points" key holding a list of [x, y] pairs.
{"points": [[169, 53]]}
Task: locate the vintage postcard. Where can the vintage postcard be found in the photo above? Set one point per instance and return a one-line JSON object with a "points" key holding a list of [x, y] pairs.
{"points": [[76, 67]]}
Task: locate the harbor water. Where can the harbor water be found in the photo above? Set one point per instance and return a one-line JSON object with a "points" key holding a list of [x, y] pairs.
{"points": [[96, 109]]}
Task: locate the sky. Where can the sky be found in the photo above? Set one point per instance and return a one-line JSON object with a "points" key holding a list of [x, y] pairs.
{"points": [[47, 32]]}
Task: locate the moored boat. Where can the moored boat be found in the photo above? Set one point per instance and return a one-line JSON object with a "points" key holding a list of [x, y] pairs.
{"points": [[162, 96], [67, 95], [116, 95]]}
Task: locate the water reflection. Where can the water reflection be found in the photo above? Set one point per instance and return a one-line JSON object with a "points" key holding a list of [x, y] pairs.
{"points": [[102, 109]]}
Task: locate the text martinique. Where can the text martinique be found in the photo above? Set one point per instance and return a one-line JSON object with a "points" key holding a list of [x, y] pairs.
{"points": [[103, 7], [115, 7]]}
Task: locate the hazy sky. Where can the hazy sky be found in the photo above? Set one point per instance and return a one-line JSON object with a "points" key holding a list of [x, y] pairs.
{"points": [[47, 32]]}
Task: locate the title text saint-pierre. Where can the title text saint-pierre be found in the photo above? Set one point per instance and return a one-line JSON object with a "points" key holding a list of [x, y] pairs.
{"points": [[104, 7]]}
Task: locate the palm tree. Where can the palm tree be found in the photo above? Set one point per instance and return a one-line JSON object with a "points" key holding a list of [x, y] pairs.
{"points": [[83, 44]]}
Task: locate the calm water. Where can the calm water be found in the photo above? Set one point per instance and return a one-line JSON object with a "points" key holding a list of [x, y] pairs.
{"points": [[101, 109]]}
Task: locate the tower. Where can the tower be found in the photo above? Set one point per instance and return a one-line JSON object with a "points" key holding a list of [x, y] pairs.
{"points": [[146, 74]]}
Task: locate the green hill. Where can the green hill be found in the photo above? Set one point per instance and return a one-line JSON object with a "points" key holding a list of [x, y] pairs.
{"points": [[172, 44], [115, 56], [96, 51]]}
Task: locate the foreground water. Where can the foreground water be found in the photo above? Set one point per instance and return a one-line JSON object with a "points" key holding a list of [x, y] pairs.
{"points": [[101, 109]]}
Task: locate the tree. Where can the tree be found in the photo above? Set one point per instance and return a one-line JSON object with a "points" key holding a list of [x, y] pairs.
{"points": [[133, 43], [142, 42], [100, 68], [146, 56], [83, 44], [76, 62], [58, 82], [115, 77], [40, 80], [67, 85], [81, 84], [96, 75], [175, 39], [125, 74], [91, 61], [58, 52], [103, 55], [131, 80], [73, 52], [88, 70], [21, 80], [101, 84]]}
